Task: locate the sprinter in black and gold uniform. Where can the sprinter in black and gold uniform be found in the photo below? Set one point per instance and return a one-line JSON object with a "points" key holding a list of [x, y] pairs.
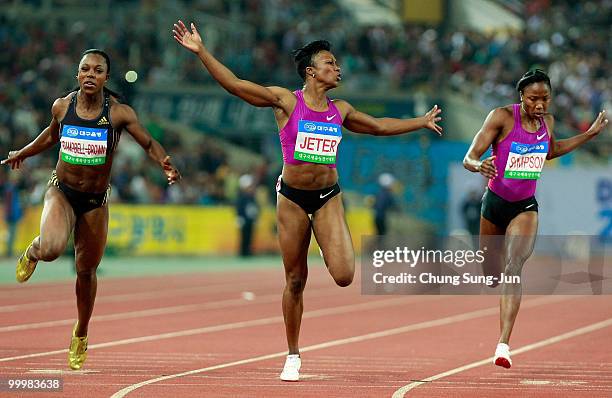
{"points": [[87, 123]]}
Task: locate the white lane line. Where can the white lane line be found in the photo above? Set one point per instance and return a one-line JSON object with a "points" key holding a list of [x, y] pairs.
{"points": [[542, 343], [119, 284], [131, 296], [228, 326], [256, 270], [355, 339], [159, 311], [139, 314], [216, 288]]}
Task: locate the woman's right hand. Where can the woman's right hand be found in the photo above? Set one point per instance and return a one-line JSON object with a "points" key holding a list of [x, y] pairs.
{"points": [[487, 167], [190, 40], [14, 159]]}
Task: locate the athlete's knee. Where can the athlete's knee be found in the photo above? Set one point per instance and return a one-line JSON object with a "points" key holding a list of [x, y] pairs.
{"points": [[344, 281], [345, 278], [50, 250], [87, 274], [343, 270], [514, 266], [296, 284]]}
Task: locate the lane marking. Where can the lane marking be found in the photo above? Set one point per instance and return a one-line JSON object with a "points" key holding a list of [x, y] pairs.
{"points": [[157, 311], [116, 283], [228, 326], [114, 298], [355, 339], [130, 296], [542, 343]]}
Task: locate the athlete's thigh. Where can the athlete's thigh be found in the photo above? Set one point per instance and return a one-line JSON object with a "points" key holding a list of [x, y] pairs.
{"points": [[332, 234], [520, 236], [491, 243], [294, 232], [90, 235], [488, 228], [57, 220]]}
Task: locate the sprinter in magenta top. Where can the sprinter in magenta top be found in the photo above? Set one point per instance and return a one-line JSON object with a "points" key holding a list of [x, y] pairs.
{"points": [[521, 136], [522, 153], [308, 198], [311, 136]]}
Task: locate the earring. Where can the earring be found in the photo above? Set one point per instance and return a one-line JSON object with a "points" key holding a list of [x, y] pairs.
{"points": [[313, 75]]}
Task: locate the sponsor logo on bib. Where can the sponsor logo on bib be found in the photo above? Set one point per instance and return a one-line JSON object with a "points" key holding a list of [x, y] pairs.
{"points": [[83, 145], [526, 161], [317, 142], [72, 132]]}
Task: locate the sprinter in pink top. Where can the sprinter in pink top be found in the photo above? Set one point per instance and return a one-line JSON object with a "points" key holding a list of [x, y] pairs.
{"points": [[522, 139], [310, 126]]}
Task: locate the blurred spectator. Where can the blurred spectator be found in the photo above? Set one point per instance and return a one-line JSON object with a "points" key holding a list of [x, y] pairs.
{"points": [[247, 211], [13, 208], [384, 202], [470, 210]]}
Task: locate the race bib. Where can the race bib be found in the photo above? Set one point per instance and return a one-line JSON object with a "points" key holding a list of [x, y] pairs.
{"points": [[83, 145], [317, 142], [525, 161]]}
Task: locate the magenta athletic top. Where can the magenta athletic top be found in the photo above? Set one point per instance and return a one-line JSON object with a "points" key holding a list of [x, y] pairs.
{"points": [[311, 136], [520, 159]]}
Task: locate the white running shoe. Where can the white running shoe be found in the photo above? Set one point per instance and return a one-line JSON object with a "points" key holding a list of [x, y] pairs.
{"points": [[291, 371], [502, 356]]}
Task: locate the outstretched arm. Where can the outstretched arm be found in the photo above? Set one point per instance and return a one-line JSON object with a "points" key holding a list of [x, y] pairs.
{"points": [[251, 92], [129, 120], [489, 131], [362, 123], [45, 140], [561, 147]]}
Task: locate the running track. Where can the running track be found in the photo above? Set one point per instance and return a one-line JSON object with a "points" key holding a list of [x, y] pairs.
{"points": [[194, 335]]}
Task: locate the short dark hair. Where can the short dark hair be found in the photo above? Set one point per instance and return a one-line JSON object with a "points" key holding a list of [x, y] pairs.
{"points": [[99, 52], [532, 76], [303, 56]]}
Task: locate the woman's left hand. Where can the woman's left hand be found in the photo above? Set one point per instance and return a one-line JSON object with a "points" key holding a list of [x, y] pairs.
{"points": [[598, 124]]}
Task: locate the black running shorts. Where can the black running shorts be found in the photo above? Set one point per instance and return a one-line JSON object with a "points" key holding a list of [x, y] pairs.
{"points": [[500, 211], [309, 201]]}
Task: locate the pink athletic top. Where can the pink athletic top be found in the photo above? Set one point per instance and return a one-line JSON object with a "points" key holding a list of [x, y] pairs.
{"points": [[311, 136], [520, 159]]}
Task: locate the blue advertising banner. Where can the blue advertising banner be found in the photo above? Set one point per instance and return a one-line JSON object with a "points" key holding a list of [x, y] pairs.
{"points": [[419, 163]]}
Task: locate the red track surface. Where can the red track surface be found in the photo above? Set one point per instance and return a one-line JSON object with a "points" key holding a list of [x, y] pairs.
{"points": [[228, 346]]}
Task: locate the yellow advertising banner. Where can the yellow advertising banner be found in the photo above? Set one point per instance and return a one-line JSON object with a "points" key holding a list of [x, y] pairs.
{"points": [[181, 230]]}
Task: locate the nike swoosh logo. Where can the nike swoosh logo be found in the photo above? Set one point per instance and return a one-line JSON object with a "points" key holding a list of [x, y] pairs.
{"points": [[539, 137], [531, 205], [327, 194], [330, 117]]}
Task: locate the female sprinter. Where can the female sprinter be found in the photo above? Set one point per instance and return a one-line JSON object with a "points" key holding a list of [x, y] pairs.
{"points": [[522, 139], [309, 197], [87, 123]]}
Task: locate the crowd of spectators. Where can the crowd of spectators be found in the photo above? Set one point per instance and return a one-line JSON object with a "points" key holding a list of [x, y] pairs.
{"points": [[571, 40], [40, 52]]}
